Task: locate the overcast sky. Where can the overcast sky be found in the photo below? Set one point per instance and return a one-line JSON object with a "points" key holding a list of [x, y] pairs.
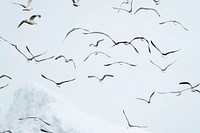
{"points": [[167, 113]]}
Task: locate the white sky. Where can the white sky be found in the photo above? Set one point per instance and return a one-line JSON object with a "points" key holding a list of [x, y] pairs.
{"points": [[166, 113]]}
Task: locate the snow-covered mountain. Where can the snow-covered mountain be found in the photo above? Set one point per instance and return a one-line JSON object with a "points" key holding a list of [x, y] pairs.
{"points": [[49, 107]]}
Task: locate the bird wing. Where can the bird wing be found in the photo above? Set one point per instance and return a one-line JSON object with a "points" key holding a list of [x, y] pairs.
{"points": [[151, 96], [5, 76], [170, 52], [185, 83], [74, 29], [19, 4], [155, 64], [142, 99], [1, 87], [29, 3], [106, 75], [156, 47], [60, 56], [33, 17], [144, 8], [169, 65], [48, 78], [44, 59], [21, 23], [65, 81]]}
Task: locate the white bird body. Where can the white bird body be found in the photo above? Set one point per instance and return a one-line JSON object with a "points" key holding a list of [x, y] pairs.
{"points": [[29, 21]]}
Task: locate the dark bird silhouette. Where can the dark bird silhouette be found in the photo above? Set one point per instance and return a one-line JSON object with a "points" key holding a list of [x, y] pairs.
{"points": [[96, 53], [58, 83], [36, 119], [149, 100], [43, 130], [30, 21], [163, 54], [97, 43], [1, 87], [162, 69], [35, 57], [101, 79], [74, 29], [66, 60], [120, 63], [125, 2], [115, 43], [174, 22], [6, 76], [130, 125], [25, 8], [148, 9], [76, 3]]}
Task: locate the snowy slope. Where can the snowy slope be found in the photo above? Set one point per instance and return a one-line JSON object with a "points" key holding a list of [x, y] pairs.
{"points": [[38, 101]]}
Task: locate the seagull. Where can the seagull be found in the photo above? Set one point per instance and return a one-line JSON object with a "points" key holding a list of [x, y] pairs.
{"points": [[6, 76], [178, 93], [58, 83], [115, 43], [101, 79], [25, 8], [149, 9], [149, 98], [43, 130], [120, 63], [125, 2], [76, 3], [1, 87], [164, 54], [66, 60], [130, 124], [34, 57], [96, 53], [174, 22], [36, 119], [30, 21], [142, 39], [162, 69], [74, 29], [97, 43]]}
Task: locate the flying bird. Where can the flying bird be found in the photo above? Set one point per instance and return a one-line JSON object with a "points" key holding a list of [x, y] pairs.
{"points": [[148, 9], [174, 22], [149, 100], [58, 83], [130, 125], [76, 3], [166, 53], [97, 43], [30, 21], [66, 60], [25, 8], [125, 2], [162, 69], [36, 119], [101, 79], [96, 53], [74, 29], [6, 76], [120, 63]]}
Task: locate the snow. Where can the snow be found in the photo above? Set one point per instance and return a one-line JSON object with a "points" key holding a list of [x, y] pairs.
{"points": [[35, 100]]}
